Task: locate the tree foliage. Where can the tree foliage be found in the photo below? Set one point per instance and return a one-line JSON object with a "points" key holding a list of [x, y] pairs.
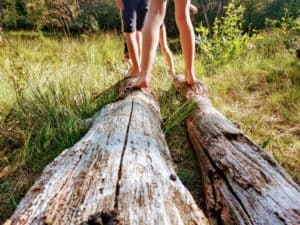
{"points": [[228, 38], [73, 16], [63, 15], [1, 19], [256, 11]]}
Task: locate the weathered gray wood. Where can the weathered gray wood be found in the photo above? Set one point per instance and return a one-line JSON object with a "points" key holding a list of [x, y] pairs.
{"points": [[242, 183], [119, 173]]}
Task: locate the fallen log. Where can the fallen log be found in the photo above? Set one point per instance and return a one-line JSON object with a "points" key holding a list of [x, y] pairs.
{"points": [[120, 172], [242, 183]]}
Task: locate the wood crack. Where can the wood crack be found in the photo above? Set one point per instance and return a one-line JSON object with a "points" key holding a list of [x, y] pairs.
{"points": [[122, 175], [224, 178], [122, 158]]}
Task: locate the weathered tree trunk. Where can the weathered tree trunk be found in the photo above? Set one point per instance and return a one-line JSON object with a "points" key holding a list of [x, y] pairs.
{"points": [[120, 172], [220, 9], [205, 14], [242, 183]]}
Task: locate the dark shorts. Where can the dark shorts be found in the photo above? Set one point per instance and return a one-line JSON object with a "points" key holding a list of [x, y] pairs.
{"points": [[126, 55], [134, 15]]}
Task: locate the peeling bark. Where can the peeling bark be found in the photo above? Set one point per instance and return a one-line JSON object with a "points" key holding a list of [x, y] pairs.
{"points": [[120, 172], [242, 183]]}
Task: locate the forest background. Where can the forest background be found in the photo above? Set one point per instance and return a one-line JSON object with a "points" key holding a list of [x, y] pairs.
{"points": [[77, 16]]}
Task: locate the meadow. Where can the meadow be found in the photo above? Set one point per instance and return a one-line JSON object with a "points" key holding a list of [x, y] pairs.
{"points": [[49, 85]]}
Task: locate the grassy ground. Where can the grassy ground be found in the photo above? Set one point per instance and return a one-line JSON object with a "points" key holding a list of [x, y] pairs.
{"points": [[47, 84]]}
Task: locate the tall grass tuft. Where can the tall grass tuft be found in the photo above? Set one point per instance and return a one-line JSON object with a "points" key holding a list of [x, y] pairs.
{"points": [[47, 108], [179, 116]]}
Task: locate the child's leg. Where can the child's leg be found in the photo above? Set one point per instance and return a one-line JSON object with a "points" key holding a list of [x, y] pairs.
{"points": [[129, 26], [133, 54], [126, 55], [139, 43], [142, 9], [150, 40], [165, 48], [187, 38]]}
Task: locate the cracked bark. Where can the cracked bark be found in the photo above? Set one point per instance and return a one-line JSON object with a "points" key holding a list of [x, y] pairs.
{"points": [[120, 172], [242, 183]]}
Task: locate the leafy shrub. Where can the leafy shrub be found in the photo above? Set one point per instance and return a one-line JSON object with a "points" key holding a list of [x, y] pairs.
{"points": [[96, 15], [287, 22], [228, 39], [66, 16]]}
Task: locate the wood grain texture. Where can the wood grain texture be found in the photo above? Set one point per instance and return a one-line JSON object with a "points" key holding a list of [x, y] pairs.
{"points": [[242, 183], [120, 172]]}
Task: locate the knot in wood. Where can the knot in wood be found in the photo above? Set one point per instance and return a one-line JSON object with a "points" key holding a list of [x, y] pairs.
{"points": [[173, 177], [103, 218]]}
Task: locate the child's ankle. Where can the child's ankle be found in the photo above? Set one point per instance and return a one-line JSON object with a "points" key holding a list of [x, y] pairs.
{"points": [[190, 78]]}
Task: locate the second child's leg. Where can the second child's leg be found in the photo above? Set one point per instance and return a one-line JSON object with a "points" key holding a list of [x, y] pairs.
{"points": [[133, 51], [139, 43], [150, 40], [126, 55], [165, 48], [129, 22], [187, 38]]}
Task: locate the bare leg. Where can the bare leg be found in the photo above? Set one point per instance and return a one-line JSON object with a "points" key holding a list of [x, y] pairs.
{"points": [[150, 40], [165, 48], [128, 61], [133, 51], [139, 43], [187, 38]]}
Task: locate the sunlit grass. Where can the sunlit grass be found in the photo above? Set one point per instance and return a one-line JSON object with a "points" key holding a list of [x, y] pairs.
{"points": [[261, 92], [47, 86]]}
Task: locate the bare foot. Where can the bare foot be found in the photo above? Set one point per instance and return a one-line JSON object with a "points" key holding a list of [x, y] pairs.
{"points": [[132, 73], [190, 79], [191, 82], [128, 62], [142, 82], [197, 88], [173, 73]]}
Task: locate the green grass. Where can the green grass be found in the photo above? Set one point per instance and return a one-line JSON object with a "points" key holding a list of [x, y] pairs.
{"points": [[261, 92], [48, 84]]}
